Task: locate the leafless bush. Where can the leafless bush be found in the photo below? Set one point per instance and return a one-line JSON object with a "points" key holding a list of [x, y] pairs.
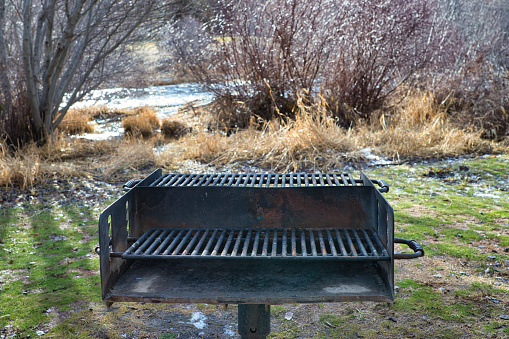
{"points": [[382, 45], [261, 54], [473, 81], [264, 53]]}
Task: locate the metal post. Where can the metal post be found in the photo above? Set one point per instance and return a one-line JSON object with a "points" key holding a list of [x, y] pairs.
{"points": [[254, 321]]}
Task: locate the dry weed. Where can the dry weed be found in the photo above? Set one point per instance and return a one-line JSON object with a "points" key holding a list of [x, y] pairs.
{"points": [[174, 129], [418, 127], [143, 124], [130, 154], [310, 140], [77, 121], [31, 165], [20, 169]]}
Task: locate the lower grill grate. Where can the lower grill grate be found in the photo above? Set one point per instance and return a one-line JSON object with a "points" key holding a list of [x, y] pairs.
{"points": [[348, 244]]}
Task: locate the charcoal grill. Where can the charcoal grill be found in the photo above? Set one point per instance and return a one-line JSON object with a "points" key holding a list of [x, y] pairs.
{"points": [[250, 239]]}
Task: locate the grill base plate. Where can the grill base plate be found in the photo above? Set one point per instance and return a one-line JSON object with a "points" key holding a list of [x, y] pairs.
{"points": [[250, 281]]}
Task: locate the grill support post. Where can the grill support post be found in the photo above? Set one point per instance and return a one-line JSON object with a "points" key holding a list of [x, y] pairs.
{"points": [[254, 321]]}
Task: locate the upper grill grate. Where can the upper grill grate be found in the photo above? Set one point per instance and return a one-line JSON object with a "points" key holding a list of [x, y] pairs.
{"points": [[256, 180]]}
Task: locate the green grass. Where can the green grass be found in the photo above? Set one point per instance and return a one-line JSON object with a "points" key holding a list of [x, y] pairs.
{"points": [[424, 299], [47, 263], [453, 210]]}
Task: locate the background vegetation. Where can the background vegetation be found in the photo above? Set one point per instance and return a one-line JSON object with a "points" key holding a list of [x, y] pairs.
{"points": [[260, 57]]}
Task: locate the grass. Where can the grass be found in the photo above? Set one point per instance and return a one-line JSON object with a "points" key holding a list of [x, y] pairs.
{"points": [[47, 264], [417, 128], [142, 124], [171, 128], [49, 268], [77, 121]]}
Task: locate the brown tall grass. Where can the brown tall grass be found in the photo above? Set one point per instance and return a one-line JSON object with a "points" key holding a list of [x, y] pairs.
{"points": [[421, 128], [142, 124], [77, 121], [174, 129], [61, 157], [418, 127], [31, 165], [415, 128], [132, 154]]}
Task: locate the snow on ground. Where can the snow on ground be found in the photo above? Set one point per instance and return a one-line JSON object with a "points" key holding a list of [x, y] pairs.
{"points": [[165, 99]]}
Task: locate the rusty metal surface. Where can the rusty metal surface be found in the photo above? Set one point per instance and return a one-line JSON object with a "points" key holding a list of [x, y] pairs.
{"points": [[250, 281], [281, 207]]}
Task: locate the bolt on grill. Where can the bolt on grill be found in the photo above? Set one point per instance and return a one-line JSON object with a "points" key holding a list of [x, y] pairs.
{"points": [[258, 243]]}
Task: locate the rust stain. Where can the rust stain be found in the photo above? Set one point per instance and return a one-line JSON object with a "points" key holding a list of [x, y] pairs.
{"points": [[293, 209]]}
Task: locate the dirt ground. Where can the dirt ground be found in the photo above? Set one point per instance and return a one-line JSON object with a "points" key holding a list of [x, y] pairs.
{"points": [[359, 319]]}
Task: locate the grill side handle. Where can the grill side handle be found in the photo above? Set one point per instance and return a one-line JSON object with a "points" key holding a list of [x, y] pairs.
{"points": [[414, 245], [384, 187], [130, 184]]}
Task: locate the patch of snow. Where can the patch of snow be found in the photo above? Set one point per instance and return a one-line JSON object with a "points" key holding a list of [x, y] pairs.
{"points": [[486, 195], [198, 320], [167, 97], [229, 332], [374, 159]]}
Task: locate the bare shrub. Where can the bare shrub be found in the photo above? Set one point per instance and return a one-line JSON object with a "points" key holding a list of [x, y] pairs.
{"points": [[473, 80], [382, 45], [15, 127], [258, 56], [262, 53]]}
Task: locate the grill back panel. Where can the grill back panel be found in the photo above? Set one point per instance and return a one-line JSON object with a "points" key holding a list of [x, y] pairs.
{"points": [[251, 207]]}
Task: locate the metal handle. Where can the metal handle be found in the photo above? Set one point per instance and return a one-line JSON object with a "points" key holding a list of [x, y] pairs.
{"points": [[414, 245], [384, 187], [130, 184]]}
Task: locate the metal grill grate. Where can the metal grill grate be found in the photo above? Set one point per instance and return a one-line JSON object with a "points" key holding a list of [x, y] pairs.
{"points": [[256, 180], [352, 244]]}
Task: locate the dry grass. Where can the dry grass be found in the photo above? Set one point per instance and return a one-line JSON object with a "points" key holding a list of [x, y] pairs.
{"points": [[132, 154], [77, 121], [106, 113], [30, 166], [420, 128], [142, 124], [174, 129], [61, 157], [417, 128]]}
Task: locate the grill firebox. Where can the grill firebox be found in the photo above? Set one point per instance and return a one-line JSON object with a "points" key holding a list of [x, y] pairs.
{"points": [[249, 239]]}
